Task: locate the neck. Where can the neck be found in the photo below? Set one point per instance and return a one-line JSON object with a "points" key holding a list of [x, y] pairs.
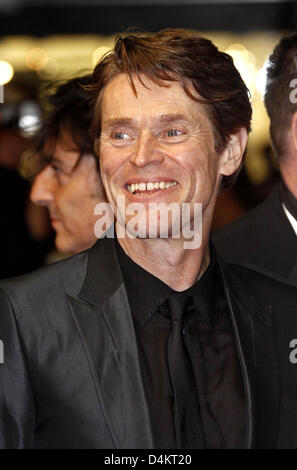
{"points": [[288, 172], [168, 260]]}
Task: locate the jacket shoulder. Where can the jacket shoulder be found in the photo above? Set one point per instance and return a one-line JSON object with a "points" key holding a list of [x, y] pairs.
{"points": [[262, 239], [51, 281], [242, 226], [254, 217], [263, 288]]}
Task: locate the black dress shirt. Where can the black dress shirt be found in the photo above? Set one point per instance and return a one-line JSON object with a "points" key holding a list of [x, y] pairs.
{"points": [[210, 343]]}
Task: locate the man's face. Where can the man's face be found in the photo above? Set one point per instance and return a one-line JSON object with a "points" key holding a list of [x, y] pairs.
{"points": [[161, 141], [70, 191]]}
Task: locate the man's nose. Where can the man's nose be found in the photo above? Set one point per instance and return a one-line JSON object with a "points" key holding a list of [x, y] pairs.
{"points": [[146, 151], [42, 191]]}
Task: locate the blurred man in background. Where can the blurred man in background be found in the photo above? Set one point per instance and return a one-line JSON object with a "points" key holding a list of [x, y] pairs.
{"points": [[69, 182], [265, 239]]}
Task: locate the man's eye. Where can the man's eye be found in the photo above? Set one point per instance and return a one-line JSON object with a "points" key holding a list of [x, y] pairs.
{"points": [[120, 136], [173, 133], [56, 169]]}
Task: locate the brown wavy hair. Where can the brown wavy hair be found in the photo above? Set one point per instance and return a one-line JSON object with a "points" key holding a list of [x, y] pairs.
{"points": [[67, 110], [184, 56]]}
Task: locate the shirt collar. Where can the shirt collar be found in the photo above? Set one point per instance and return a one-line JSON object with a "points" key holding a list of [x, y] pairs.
{"points": [[206, 289], [146, 293]]}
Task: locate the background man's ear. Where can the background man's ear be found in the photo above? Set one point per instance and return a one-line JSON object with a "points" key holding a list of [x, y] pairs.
{"points": [[97, 146], [232, 155], [294, 131]]}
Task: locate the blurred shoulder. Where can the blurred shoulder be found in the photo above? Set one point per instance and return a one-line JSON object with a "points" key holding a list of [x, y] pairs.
{"points": [[52, 280], [239, 226], [271, 289], [254, 218]]}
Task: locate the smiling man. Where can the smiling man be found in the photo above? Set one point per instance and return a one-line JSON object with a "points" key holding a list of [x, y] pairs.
{"points": [[140, 342]]}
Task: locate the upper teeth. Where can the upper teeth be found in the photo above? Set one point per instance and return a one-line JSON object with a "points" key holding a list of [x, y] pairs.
{"points": [[150, 186]]}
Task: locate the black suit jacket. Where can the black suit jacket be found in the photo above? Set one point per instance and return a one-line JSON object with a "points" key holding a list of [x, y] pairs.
{"points": [[263, 240], [71, 376]]}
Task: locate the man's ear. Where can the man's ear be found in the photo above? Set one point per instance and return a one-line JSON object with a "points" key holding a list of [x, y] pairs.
{"points": [[232, 155], [294, 131]]}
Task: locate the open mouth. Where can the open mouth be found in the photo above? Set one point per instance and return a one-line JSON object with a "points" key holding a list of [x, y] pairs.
{"points": [[142, 188]]}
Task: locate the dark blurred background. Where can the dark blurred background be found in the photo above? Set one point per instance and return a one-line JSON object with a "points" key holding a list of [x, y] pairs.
{"points": [[48, 40]]}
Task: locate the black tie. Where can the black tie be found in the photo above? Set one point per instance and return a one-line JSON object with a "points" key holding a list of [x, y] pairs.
{"points": [[186, 407]]}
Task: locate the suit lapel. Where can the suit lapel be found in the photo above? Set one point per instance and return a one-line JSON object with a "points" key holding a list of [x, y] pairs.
{"points": [[254, 333], [102, 316], [293, 276], [276, 229]]}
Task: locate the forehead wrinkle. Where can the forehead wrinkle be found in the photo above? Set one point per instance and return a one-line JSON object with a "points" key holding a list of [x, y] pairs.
{"points": [[170, 118], [162, 119], [190, 111]]}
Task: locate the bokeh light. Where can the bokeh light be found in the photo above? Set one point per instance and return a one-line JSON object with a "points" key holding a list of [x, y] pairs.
{"points": [[244, 61], [29, 118], [261, 78], [36, 59], [6, 72], [99, 53]]}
